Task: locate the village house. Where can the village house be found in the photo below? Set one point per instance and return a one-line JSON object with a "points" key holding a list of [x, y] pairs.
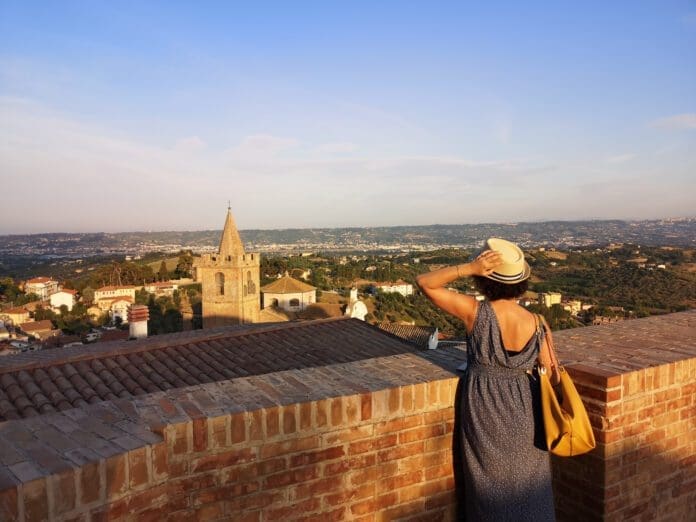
{"points": [[399, 287], [39, 329], [15, 315], [107, 292], [43, 287], [65, 297], [288, 294]]}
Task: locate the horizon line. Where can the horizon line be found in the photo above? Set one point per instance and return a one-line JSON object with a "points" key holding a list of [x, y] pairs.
{"points": [[586, 220]]}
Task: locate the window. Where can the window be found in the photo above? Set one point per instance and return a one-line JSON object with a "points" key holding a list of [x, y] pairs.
{"points": [[220, 283], [251, 287], [294, 302]]}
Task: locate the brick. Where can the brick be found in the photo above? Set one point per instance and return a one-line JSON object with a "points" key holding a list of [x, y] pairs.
{"points": [[401, 451], [394, 401], [363, 507], [256, 424], [237, 425], [137, 468], [425, 432], [218, 429], [62, 492], [116, 475], [183, 486], [35, 500], [348, 494], [334, 515], [90, 483], [9, 504], [286, 512], [293, 476], [287, 447], [398, 424], [160, 462], [439, 471], [316, 488], [374, 444], [352, 407], [337, 411], [419, 392], [406, 398], [338, 437], [289, 419], [305, 416], [349, 463], [178, 438], [271, 422], [399, 481], [443, 442], [321, 413], [267, 467], [312, 457], [365, 406], [224, 459], [200, 434], [372, 474]]}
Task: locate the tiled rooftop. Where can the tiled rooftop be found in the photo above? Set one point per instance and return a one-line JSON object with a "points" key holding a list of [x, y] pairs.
{"points": [[416, 335], [65, 378], [287, 285]]}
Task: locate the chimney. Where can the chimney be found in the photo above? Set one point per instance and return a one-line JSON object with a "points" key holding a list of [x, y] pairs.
{"points": [[137, 320]]}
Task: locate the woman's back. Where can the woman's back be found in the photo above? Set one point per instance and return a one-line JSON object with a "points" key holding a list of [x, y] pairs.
{"points": [[504, 469], [516, 324]]}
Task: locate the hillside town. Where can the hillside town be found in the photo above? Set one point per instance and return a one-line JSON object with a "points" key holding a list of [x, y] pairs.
{"points": [[46, 312]]}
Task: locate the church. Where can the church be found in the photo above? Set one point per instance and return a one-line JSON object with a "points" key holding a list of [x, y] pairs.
{"points": [[229, 281]]}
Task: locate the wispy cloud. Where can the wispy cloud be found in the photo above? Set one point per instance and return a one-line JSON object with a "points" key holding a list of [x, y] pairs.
{"points": [[621, 158], [685, 121]]}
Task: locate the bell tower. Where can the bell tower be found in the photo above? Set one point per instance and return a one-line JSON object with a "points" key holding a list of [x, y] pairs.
{"points": [[230, 281]]}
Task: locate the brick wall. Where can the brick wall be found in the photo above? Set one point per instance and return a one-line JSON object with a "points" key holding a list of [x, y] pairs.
{"points": [[638, 381], [249, 450], [367, 440]]}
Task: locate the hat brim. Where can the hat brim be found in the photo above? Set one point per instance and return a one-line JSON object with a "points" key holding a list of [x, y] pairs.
{"points": [[511, 279]]}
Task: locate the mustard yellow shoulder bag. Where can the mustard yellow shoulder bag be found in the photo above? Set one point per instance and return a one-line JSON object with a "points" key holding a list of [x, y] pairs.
{"points": [[567, 426]]}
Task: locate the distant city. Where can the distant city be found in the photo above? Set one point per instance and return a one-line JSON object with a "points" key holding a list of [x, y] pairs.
{"points": [[678, 232]]}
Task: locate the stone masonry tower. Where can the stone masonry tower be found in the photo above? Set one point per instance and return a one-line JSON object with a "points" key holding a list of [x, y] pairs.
{"points": [[230, 281]]}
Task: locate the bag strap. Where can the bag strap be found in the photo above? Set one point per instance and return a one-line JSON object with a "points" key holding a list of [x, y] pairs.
{"points": [[549, 344]]}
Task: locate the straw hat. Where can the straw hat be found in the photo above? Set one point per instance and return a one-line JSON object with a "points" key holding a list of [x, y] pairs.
{"points": [[514, 268]]}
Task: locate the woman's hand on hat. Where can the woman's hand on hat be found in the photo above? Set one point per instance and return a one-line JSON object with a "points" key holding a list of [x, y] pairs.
{"points": [[487, 262]]}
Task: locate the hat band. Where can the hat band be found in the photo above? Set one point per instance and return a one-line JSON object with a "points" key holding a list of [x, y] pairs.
{"points": [[501, 277]]}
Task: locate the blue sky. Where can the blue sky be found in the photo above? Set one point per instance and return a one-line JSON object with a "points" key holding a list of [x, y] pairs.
{"points": [[120, 116]]}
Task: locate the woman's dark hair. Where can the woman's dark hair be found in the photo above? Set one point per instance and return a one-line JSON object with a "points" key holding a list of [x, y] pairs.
{"points": [[494, 290]]}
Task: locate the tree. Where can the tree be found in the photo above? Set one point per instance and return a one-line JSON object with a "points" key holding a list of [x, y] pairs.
{"points": [[88, 294], [163, 273], [184, 266]]}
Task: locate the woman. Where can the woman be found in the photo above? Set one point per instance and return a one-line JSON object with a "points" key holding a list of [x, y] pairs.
{"points": [[502, 468]]}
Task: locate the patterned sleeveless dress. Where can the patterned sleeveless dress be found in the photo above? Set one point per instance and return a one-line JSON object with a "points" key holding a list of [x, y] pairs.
{"points": [[501, 466]]}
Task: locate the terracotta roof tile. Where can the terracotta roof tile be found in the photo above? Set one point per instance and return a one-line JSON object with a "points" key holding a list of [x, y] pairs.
{"points": [[65, 378], [417, 335], [287, 285]]}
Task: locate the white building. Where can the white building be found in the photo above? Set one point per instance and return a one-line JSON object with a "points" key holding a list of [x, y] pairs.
{"points": [[63, 297], [356, 308], [549, 299], [400, 287], [107, 292], [119, 309], [42, 287], [288, 294]]}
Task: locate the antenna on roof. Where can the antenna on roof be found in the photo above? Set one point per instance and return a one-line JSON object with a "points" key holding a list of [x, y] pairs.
{"points": [[229, 205]]}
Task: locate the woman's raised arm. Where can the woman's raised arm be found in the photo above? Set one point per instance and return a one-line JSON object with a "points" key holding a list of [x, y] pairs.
{"points": [[462, 306]]}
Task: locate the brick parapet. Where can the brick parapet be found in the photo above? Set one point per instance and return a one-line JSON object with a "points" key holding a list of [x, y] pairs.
{"points": [[131, 458], [366, 440]]}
